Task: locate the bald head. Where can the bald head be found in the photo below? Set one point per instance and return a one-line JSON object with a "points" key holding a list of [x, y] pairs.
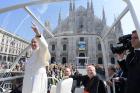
{"points": [[91, 71]]}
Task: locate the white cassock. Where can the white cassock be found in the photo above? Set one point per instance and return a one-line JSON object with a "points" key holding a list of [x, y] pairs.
{"points": [[35, 77]]}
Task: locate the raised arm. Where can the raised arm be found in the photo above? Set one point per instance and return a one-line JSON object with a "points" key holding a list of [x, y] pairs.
{"points": [[35, 29], [42, 42], [43, 45]]}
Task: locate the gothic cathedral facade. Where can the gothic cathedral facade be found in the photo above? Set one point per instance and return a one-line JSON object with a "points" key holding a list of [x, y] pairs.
{"points": [[77, 37]]}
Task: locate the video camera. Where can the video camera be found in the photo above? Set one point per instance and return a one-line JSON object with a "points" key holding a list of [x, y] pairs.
{"points": [[126, 44]]}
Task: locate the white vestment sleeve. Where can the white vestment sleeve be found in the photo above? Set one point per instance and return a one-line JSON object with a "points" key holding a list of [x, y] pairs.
{"points": [[43, 48]]}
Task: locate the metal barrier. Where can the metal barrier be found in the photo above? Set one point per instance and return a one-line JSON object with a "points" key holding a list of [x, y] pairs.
{"points": [[113, 81], [53, 78], [8, 86]]}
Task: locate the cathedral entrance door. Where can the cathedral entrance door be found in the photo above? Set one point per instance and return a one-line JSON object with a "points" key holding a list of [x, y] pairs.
{"points": [[82, 60]]}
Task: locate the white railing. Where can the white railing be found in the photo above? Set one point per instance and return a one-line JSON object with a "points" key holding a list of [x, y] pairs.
{"points": [[8, 86]]}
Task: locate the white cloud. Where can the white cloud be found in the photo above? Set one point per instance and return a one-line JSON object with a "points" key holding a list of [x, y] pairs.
{"points": [[42, 9]]}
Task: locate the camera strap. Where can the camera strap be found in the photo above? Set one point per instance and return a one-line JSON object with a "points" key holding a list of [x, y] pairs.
{"points": [[132, 58]]}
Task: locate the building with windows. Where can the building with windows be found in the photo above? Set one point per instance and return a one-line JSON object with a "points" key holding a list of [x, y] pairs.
{"points": [[11, 46], [75, 37]]}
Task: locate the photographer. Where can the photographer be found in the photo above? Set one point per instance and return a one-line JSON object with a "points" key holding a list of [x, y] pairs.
{"points": [[131, 65]]}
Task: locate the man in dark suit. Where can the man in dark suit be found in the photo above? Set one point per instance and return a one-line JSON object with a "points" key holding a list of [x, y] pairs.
{"points": [[91, 82], [131, 65]]}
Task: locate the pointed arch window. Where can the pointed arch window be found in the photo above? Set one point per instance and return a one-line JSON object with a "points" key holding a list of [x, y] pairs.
{"points": [[64, 60], [100, 60], [0, 57], [4, 58], [99, 47], [53, 47], [111, 45], [64, 47], [52, 59]]}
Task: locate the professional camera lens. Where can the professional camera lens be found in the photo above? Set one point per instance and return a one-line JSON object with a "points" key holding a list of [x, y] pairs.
{"points": [[126, 44]]}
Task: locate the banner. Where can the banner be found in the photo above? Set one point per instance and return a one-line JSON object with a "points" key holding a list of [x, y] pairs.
{"points": [[82, 45]]}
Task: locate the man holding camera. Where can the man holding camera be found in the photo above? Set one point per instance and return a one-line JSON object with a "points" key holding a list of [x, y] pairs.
{"points": [[131, 65]]}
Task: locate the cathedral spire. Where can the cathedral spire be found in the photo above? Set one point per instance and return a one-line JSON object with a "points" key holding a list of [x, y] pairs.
{"points": [[104, 18], [47, 24], [88, 6], [70, 8], [73, 5], [92, 7], [114, 17], [118, 27], [91, 4], [59, 18]]}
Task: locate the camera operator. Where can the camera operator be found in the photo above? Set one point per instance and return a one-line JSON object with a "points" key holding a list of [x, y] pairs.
{"points": [[131, 65]]}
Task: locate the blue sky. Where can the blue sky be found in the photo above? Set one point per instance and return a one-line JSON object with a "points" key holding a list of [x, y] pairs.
{"points": [[19, 22]]}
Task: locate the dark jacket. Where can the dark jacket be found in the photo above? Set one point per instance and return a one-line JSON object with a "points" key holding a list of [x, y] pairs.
{"points": [[94, 85], [74, 85], [131, 66], [17, 89]]}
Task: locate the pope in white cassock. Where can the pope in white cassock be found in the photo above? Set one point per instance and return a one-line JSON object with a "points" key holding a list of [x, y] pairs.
{"points": [[35, 77]]}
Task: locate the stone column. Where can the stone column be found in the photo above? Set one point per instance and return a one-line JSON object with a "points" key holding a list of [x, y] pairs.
{"points": [[74, 47], [58, 50]]}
